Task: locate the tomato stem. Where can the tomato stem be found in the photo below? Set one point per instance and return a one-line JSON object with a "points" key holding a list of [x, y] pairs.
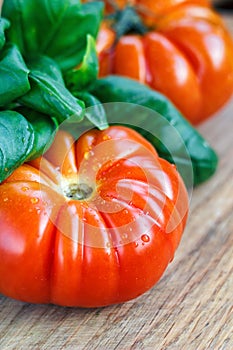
{"points": [[127, 21], [78, 191]]}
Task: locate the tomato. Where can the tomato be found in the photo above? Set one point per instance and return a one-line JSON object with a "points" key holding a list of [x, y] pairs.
{"points": [[187, 56], [150, 10], [93, 222]]}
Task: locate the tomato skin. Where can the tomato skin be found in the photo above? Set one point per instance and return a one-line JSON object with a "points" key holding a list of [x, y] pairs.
{"points": [[107, 248], [155, 53], [106, 38], [150, 9], [210, 50], [186, 55], [26, 240]]}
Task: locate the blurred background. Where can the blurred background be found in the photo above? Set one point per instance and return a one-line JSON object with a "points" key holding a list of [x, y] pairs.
{"points": [[223, 4]]}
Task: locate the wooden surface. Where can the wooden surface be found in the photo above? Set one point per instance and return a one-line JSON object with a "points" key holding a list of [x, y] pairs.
{"points": [[190, 308]]}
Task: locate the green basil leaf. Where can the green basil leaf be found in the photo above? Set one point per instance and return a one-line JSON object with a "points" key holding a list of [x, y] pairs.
{"points": [[80, 78], [4, 24], [44, 130], [47, 66], [48, 93], [16, 141], [54, 28], [118, 89], [94, 112], [13, 74]]}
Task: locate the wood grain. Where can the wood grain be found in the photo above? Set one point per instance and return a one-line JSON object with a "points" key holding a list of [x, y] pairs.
{"points": [[191, 308]]}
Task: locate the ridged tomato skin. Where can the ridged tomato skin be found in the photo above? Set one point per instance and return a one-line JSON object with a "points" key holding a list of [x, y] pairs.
{"points": [[187, 54], [109, 246]]}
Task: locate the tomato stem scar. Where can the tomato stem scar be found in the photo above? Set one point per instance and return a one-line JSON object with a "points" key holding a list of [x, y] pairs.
{"points": [[78, 191]]}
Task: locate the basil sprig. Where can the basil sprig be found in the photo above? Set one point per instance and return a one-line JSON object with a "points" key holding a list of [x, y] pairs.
{"points": [[48, 93], [40, 41], [57, 29]]}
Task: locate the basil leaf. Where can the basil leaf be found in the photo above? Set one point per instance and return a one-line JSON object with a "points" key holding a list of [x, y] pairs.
{"points": [[80, 78], [46, 65], [44, 130], [48, 93], [13, 74], [118, 89], [16, 141], [4, 24], [94, 112], [54, 28]]}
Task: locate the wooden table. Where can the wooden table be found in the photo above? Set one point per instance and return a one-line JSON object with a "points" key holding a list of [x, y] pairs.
{"points": [[191, 308]]}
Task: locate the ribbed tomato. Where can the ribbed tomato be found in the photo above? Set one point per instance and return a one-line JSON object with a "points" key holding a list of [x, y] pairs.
{"points": [[150, 10], [186, 53], [92, 222]]}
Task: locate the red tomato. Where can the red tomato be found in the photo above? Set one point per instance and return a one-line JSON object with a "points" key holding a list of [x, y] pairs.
{"points": [[150, 10], [188, 56], [92, 222]]}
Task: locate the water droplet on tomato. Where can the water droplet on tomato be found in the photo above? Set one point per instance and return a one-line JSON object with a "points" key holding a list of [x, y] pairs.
{"points": [[95, 167], [34, 200], [25, 188], [124, 236], [5, 199], [38, 210], [136, 244], [86, 155], [108, 245], [145, 238]]}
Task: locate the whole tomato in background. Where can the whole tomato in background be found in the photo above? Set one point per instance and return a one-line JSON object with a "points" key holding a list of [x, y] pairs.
{"points": [[185, 52], [150, 10], [92, 222]]}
